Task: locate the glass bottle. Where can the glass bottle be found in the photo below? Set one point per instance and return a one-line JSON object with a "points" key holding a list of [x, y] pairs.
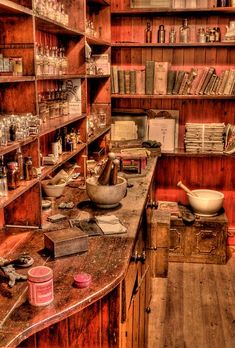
{"points": [[184, 32], [12, 175], [148, 33], [201, 35], [161, 34], [3, 179], [28, 168], [20, 161], [172, 35], [217, 34]]}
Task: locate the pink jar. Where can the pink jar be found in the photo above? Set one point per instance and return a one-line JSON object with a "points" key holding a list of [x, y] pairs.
{"points": [[40, 286]]}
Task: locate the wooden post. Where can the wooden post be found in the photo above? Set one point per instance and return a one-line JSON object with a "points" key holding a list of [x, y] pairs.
{"points": [[158, 242]]}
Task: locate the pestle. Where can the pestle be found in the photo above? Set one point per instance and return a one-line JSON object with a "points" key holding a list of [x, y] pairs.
{"points": [[181, 185], [114, 172], [105, 174]]}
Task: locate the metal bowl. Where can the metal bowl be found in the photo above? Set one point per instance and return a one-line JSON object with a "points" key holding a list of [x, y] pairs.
{"points": [[106, 196], [208, 202]]}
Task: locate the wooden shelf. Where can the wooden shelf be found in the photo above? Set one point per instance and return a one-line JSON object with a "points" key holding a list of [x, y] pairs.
{"points": [[13, 79], [98, 134], [14, 194], [9, 8], [47, 170], [56, 123], [99, 2], [155, 96], [93, 41], [183, 153], [12, 147], [172, 45], [170, 11], [50, 26], [59, 77], [97, 76]]}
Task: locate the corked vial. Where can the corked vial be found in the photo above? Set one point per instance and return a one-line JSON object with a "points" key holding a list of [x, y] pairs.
{"points": [[40, 286]]}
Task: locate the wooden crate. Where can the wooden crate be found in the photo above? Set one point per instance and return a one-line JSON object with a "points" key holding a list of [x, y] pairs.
{"points": [[204, 241]]}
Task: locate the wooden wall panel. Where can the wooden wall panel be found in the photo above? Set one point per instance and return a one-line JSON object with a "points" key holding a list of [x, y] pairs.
{"points": [[54, 336]]}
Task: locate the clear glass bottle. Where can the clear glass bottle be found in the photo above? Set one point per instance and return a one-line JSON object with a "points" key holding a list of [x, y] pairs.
{"points": [[19, 159], [148, 33], [172, 35], [201, 35], [161, 34], [3, 179], [12, 175], [185, 32]]}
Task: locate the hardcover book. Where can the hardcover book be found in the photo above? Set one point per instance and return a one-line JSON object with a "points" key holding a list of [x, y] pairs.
{"points": [[140, 82], [207, 79], [115, 79], [160, 78], [149, 77], [121, 82], [127, 81], [171, 76], [178, 81], [132, 81]]}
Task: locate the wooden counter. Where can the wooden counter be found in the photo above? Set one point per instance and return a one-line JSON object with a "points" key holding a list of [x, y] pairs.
{"points": [[106, 260]]}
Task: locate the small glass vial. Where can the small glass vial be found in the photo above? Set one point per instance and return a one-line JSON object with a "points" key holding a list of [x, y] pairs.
{"points": [[211, 35], [3, 179], [172, 35], [201, 35], [185, 33], [40, 286], [217, 34], [28, 168], [161, 34], [12, 175], [148, 33]]}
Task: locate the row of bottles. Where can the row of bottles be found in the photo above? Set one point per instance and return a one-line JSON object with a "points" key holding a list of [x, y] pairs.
{"points": [[11, 65], [203, 34], [65, 140], [53, 103], [21, 168], [51, 60], [52, 9]]}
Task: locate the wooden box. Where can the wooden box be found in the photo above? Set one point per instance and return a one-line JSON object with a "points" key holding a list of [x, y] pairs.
{"points": [[66, 241], [204, 241]]}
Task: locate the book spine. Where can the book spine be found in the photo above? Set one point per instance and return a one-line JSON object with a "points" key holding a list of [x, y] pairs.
{"points": [[183, 83], [160, 81], [210, 84], [121, 82], [171, 76], [178, 81], [206, 80], [223, 83], [202, 79], [127, 81], [229, 82], [149, 78], [132, 81], [191, 78], [219, 82], [115, 79], [213, 90], [232, 86]]}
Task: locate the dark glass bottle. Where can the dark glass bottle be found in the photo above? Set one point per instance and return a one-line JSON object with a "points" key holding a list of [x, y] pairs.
{"points": [[161, 34], [20, 161], [28, 168], [12, 175], [148, 33]]}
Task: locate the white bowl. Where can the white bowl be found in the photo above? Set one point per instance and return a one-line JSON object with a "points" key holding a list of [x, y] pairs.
{"points": [[53, 190], [106, 196], [208, 202]]}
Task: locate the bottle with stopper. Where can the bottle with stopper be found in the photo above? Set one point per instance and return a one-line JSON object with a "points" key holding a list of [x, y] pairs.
{"points": [[185, 34], [148, 33]]}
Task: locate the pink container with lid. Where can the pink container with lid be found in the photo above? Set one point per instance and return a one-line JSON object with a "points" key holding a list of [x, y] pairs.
{"points": [[40, 286], [82, 280]]}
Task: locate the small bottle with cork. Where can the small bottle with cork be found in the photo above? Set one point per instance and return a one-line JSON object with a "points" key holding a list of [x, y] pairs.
{"points": [[148, 33]]}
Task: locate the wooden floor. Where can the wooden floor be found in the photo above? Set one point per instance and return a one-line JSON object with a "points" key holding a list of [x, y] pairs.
{"points": [[194, 307]]}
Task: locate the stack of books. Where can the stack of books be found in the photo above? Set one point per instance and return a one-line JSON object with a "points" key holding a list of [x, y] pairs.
{"points": [[204, 137]]}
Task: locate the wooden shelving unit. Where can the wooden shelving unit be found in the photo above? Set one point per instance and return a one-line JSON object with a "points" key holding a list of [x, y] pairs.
{"points": [[129, 51], [19, 94]]}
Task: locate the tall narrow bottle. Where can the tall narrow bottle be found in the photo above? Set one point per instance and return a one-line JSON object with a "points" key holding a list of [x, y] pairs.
{"points": [[148, 33], [3, 179], [185, 34], [19, 159]]}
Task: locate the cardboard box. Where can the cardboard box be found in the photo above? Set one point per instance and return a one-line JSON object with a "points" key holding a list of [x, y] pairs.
{"points": [[67, 241]]}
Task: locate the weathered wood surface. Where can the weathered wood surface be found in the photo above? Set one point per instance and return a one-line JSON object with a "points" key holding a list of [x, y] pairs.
{"points": [[106, 260], [199, 309]]}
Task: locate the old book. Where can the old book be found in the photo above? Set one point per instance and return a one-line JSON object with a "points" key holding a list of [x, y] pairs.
{"points": [[163, 130], [207, 80], [121, 82], [149, 77], [171, 76], [191, 77], [160, 78], [178, 81], [214, 87], [202, 3], [232, 87], [211, 3], [191, 4], [229, 82], [196, 81], [178, 3], [140, 82], [127, 81], [210, 84], [219, 82], [202, 79], [183, 83], [114, 75], [132, 81], [223, 82]]}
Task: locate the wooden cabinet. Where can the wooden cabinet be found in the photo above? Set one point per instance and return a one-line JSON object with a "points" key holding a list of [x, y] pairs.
{"points": [[43, 43], [130, 51]]}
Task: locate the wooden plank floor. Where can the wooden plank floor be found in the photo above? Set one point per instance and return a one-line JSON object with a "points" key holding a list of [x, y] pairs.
{"points": [[199, 310]]}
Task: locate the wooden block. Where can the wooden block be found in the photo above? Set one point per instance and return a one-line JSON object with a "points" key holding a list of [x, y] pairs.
{"points": [[66, 241]]}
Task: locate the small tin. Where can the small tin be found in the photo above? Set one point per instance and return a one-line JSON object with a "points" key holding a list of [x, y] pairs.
{"points": [[82, 280], [40, 286]]}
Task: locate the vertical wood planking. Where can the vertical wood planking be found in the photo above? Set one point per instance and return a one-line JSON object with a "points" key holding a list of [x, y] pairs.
{"points": [[54, 336]]}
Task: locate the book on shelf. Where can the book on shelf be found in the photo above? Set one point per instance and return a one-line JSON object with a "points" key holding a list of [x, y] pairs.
{"points": [[191, 77], [127, 81], [179, 3], [208, 76], [171, 76], [160, 77], [210, 84], [191, 4], [214, 87], [121, 81], [223, 82], [229, 82], [178, 81], [202, 79], [150, 3], [140, 82], [183, 83], [149, 77], [156, 128], [132, 81], [201, 3], [114, 79]]}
